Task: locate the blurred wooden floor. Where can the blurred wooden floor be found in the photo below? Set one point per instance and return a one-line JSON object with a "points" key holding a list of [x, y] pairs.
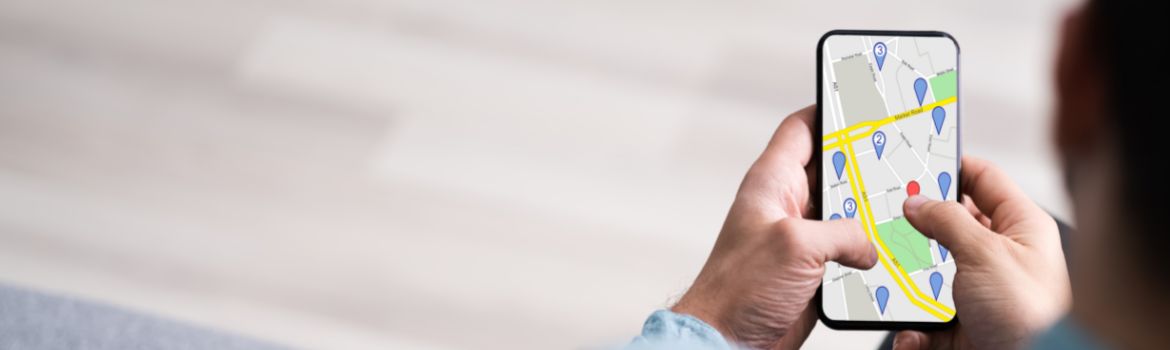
{"points": [[431, 174]]}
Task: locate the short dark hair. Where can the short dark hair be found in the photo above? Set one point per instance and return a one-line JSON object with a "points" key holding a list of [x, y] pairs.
{"points": [[1132, 37]]}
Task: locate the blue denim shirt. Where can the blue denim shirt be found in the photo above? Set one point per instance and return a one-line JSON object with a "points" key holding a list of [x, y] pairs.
{"points": [[668, 330], [1066, 334]]}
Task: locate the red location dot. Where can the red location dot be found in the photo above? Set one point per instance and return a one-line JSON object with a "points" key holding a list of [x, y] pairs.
{"points": [[912, 188]]}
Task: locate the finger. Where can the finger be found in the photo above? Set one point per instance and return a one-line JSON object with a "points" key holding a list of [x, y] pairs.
{"points": [[811, 173], [948, 222], [793, 138], [911, 340], [915, 340], [842, 241], [996, 195], [983, 219]]}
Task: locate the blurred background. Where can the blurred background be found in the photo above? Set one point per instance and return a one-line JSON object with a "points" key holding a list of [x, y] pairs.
{"points": [[433, 174]]}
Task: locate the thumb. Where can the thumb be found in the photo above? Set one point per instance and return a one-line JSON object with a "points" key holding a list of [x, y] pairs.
{"points": [[948, 222], [843, 241]]}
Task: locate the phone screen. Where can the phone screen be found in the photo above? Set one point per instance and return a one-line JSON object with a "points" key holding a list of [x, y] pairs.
{"points": [[889, 121]]}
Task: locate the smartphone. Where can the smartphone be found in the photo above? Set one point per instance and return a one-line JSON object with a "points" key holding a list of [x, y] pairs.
{"points": [[888, 122]]}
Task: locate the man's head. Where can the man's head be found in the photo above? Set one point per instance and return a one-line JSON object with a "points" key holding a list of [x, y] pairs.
{"points": [[1111, 99]]}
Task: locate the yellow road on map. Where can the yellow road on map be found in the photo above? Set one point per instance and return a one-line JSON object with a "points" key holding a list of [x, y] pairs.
{"points": [[846, 135], [843, 141]]}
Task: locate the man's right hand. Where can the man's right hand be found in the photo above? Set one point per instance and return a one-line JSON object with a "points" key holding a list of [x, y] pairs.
{"points": [[1012, 281]]}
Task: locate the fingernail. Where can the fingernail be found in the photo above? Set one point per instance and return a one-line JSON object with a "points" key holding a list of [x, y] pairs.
{"points": [[914, 202]]}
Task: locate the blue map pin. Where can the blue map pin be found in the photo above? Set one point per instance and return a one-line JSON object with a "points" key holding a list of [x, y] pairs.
{"points": [[944, 184], [939, 114], [936, 283], [879, 143], [879, 52], [835, 216], [942, 251], [850, 207], [920, 90], [839, 163], [883, 295]]}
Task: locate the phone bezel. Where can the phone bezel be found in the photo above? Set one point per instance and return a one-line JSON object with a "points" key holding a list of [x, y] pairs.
{"points": [[815, 196]]}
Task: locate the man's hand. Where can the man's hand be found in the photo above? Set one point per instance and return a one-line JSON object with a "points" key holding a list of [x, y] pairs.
{"points": [[768, 260], [1011, 280]]}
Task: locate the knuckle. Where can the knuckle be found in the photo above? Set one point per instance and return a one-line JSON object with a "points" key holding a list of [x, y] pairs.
{"points": [[969, 160], [952, 208], [948, 215], [788, 234], [787, 227]]}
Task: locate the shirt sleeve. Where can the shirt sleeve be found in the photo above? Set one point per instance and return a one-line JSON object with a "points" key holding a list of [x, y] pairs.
{"points": [[668, 330], [1067, 335]]}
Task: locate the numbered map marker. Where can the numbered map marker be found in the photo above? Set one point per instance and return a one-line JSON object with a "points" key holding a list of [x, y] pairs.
{"points": [[879, 143], [912, 188], [944, 184], [879, 53], [850, 207], [920, 90], [883, 296], [939, 114], [839, 163], [942, 251], [835, 216], [936, 283]]}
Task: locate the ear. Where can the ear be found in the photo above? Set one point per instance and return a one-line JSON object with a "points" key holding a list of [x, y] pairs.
{"points": [[1081, 87]]}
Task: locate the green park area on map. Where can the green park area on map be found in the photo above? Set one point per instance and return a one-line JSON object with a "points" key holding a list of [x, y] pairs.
{"points": [[911, 248], [944, 85]]}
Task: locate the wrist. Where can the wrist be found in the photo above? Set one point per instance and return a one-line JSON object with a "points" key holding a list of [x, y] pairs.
{"points": [[704, 311]]}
